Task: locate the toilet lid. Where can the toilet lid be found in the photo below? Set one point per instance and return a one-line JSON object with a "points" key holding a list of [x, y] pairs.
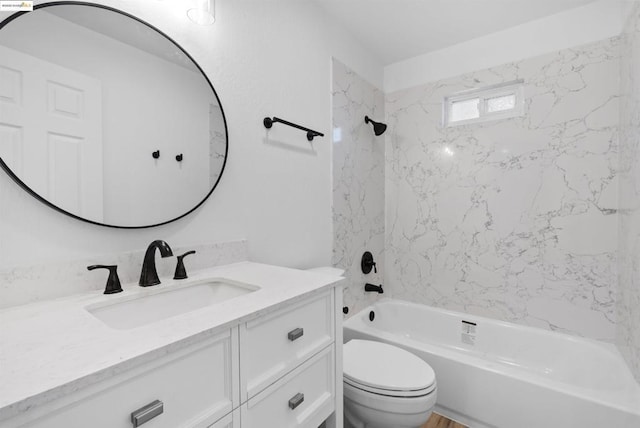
{"points": [[380, 367]]}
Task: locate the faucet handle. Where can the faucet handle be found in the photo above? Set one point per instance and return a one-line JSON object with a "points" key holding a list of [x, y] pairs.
{"points": [[181, 272], [113, 282]]}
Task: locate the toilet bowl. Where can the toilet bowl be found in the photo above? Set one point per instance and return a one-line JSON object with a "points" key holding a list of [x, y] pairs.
{"points": [[385, 386]]}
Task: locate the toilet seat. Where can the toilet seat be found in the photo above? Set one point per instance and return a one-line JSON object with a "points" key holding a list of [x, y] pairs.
{"points": [[384, 369], [392, 393]]}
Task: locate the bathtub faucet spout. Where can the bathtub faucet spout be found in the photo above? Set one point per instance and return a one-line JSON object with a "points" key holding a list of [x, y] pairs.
{"points": [[375, 288]]}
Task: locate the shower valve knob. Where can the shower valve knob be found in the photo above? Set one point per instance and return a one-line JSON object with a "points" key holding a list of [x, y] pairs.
{"points": [[367, 263]]}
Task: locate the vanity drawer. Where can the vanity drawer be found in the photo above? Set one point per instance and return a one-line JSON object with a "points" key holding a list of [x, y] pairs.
{"points": [[194, 385], [273, 345], [303, 398]]}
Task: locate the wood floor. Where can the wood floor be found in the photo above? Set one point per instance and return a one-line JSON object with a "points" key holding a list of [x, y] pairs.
{"points": [[439, 421]]}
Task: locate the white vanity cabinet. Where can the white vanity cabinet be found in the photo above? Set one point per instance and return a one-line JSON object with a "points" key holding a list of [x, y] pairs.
{"points": [[288, 376], [197, 386], [302, 398], [232, 420], [275, 370]]}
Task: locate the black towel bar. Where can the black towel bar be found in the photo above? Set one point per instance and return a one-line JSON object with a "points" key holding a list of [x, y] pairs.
{"points": [[268, 123]]}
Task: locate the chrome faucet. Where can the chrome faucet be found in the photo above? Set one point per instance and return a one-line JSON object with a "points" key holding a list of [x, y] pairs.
{"points": [[149, 274]]}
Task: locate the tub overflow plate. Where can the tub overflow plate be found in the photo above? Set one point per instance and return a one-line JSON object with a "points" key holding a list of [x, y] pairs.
{"points": [[468, 334]]}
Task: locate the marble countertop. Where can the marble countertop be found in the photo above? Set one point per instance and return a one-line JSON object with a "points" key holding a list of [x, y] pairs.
{"points": [[52, 348]]}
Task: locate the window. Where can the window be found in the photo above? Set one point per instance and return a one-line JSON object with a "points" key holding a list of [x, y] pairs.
{"points": [[480, 105]]}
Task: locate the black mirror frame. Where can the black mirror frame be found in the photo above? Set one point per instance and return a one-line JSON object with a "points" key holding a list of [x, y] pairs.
{"points": [[30, 191]]}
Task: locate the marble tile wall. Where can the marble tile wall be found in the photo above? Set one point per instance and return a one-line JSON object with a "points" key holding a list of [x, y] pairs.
{"points": [[514, 219], [628, 331], [358, 183], [19, 286]]}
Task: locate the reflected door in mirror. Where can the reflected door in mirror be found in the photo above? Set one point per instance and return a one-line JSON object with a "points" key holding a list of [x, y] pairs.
{"points": [[52, 131]]}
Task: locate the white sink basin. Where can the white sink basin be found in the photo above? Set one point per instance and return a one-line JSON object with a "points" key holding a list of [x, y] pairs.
{"points": [[158, 304]]}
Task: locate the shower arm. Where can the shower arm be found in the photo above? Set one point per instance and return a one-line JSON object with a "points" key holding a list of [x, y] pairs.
{"points": [[378, 127]]}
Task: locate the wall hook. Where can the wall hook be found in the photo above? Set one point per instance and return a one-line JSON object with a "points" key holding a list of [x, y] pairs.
{"points": [[179, 157], [156, 154]]}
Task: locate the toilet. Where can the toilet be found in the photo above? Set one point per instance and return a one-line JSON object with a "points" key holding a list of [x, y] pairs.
{"points": [[385, 386]]}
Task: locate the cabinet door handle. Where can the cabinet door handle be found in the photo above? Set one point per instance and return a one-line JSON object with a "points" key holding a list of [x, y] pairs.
{"points": [[296, 400], [295, 334], [146, 413]]}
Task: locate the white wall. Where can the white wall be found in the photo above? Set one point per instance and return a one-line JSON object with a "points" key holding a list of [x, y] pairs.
{"points": [[265, 58], [586, 24]]}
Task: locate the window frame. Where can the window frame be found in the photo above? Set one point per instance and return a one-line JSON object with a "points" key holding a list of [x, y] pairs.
{"points": [[484, 94]]}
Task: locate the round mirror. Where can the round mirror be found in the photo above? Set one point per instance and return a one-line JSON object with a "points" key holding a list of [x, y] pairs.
{"points": [[105, 118]]}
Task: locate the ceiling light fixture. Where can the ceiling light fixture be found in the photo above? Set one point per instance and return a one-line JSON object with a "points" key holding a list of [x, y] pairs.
{"points": [[204, 13]]}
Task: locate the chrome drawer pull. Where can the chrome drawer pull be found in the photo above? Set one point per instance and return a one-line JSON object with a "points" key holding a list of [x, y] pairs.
{"points": [[146, 413], [296, 400], [295, 334]]}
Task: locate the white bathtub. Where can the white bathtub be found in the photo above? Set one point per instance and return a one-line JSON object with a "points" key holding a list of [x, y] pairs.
{"points": [[505, 375]]}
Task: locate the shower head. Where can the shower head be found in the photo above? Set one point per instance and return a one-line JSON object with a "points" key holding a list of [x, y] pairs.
{"points": [[378, 127]]}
